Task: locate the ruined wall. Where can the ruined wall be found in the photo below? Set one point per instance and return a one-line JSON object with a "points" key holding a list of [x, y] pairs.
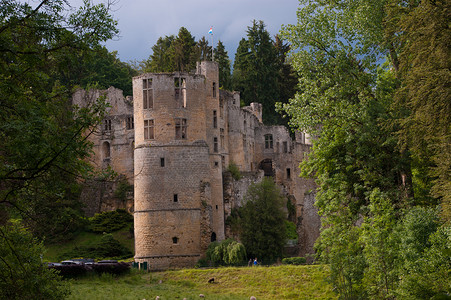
{"points": [[113, 146]]}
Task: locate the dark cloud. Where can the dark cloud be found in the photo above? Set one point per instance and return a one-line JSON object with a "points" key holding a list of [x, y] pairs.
{"points": [[142, 22]]}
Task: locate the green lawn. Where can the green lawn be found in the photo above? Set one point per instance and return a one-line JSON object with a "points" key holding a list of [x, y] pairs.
{"points": [[277, 282]]}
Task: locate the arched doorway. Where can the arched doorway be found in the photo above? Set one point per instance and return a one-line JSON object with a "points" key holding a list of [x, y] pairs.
{"points": [[266, 166]]}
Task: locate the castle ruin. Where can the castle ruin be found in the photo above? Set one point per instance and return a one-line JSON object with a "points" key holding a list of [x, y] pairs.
{"points": [[173, 141]]}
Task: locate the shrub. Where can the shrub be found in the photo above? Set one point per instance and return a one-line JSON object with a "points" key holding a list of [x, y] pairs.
{"points": [[110, 221], [228, 252], [235, 171], [294, 261]]}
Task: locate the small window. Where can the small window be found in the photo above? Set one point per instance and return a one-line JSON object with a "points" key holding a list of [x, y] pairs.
{"points": [[149, 130], [106, 150], [216, 164], [180, 129], [215, 119], [285, 147], [129, 123], [147, 93], [214, 89], [161, 161], [176, 198], [268, 141], [107, 125], [175, 240], [288, 173], [222, 138], [215, 144], [216, 207]]}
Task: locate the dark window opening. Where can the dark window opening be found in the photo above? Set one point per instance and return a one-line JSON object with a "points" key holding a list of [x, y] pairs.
{"points": [[149, 130], [106, 150], [180, 129], [266, 166], [213, 237], [175, 240], [147, 93], [216, 164], [107, 125], [268, 141], [215, 119], [162, 161], [215, 144], [129, 123], [214, 89], [288, 173], [180, 91], [216, 207], [285, 147], [176, 198]]}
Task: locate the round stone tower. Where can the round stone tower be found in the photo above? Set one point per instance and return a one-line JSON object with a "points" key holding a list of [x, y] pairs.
{"points": [[176, 171]]}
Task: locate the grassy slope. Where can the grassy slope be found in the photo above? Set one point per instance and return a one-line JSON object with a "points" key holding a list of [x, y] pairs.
{"points": [[279, 282]]}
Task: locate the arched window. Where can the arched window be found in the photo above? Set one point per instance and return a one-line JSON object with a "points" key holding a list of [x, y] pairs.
{"points": [[213, 237]]}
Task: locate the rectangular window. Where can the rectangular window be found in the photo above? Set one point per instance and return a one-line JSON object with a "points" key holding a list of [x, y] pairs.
{"points": [[215, 145], [268, 141], [215, 119], [285, 147], [214, 89], [161, 161], [129, 123], [149, 130], [180, 129], [147, 93], [107, 125], [176, 198], [288, 173], [180, 92], [222, 138]]}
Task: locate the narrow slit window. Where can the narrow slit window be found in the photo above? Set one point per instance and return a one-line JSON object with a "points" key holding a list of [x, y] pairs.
{"points": [[285, 147], [176, 198], [161, 161], [215, 119], [288, 173], [214, 89], [215, 144]]}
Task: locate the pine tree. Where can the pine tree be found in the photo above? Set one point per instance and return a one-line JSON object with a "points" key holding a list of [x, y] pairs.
{"points": [[221, 56]]}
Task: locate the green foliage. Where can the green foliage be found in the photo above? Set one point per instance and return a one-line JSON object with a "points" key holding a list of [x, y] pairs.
{"points": [[122, 189], [294, 261], [234, 170], [291, 230], [110, 221], [106, 248], [262, 222], [255, 70], [228, 252], [221, 56], [22, 273]]}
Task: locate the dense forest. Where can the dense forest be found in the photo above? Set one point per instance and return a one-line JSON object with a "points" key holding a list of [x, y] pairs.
{"points": [[370, 80]]}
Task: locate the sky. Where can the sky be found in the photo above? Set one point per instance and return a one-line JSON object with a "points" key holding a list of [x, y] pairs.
{"points": [[142, 22]]}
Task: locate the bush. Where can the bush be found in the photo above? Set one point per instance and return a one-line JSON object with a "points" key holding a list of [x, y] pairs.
{"points": [[294, 261], [110, 221], [235, 171], [228, 252], [107, 247]]}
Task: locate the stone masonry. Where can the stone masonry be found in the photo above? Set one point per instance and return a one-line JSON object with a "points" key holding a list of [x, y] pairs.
{"points": [[184, 133]]}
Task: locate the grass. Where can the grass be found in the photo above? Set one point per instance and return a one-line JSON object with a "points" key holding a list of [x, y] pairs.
{"points": [[276, 282]]}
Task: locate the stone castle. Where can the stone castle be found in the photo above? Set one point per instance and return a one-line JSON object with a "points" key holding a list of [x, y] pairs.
{"points": [[174, 141]]}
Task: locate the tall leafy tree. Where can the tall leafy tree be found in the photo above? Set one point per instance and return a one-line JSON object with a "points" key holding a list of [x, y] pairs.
{"points": [[255, 72], [203, 50], [262, 223], [222, 58], [354, 105], [184, 51], [42, 138]]}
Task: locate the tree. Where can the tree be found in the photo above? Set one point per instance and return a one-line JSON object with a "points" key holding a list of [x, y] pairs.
{"points": [[184, 51], [255, 72], [43, 140], [203, 50], [22, 273], [354, 106], [161, 60], [222, 58], [262, 223]]}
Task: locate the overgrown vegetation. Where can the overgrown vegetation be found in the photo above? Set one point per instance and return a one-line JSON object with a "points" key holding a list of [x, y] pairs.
{"points": [[382, 153], [226, 253], [294, 261], [234, 170], [110, 221]]}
